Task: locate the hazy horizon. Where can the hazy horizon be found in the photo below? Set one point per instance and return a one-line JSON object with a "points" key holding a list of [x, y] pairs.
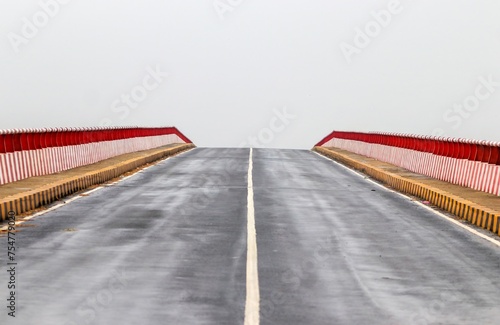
{"points": [[232, 73]]}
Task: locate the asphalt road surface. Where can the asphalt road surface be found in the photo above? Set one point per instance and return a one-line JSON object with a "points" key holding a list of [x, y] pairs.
{"points": [[169, 246]]}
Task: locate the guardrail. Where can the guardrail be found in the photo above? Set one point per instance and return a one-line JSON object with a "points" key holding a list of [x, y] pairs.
{"points": [[470, 163], [34, 152]]}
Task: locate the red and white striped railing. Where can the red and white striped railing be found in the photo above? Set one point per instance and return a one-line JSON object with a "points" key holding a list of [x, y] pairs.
{"points": [[470, 163], [34, 152]]}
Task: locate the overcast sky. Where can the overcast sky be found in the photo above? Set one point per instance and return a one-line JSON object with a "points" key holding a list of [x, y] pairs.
{"points": [[262, 73]]}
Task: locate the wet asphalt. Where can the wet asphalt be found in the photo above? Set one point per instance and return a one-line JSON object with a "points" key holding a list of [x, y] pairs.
{"points": [[168, 246]]}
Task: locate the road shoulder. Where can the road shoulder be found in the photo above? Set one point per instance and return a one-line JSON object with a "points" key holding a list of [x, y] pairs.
{"points": [[479, 208]]}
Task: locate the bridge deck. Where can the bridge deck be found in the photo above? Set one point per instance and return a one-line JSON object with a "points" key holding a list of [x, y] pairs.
{"points": [[168, 246]]}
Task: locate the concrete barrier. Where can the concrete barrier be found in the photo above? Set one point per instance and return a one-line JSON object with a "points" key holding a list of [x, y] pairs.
{"points": [[474, 164]]}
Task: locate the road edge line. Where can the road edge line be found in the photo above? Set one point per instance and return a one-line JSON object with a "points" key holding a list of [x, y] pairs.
{"points": [[67, 188], [402, 194]]}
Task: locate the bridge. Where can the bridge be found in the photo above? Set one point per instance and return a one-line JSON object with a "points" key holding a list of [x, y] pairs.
{"points": [[139, 226]]}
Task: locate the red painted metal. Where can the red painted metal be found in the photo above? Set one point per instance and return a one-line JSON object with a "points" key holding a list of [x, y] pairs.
{"points": [[52, 144], [471, 164]]}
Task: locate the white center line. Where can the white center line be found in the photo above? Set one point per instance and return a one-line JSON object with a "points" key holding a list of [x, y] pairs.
{"points": [[253, 295]]}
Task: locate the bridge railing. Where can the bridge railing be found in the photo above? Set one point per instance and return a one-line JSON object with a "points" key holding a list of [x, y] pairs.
{"points": [[34, 152], [470, 163]]}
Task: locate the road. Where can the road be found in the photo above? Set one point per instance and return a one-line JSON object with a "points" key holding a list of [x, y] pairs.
{"points": [[169, 246]]}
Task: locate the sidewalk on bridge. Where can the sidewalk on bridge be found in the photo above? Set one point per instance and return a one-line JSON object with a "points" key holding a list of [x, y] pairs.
{"points": [[29, 194], [479, 208]]}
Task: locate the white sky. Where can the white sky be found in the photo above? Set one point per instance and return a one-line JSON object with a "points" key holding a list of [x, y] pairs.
{"points": [[227, 78]]}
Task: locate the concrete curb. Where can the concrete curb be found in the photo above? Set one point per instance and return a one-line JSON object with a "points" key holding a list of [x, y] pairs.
{"points": [[33, 199], [474, 213]]}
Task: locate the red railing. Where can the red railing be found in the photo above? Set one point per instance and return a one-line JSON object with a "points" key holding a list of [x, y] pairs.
{"points": [[31, 139], [35, 152], [483, 151]]}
